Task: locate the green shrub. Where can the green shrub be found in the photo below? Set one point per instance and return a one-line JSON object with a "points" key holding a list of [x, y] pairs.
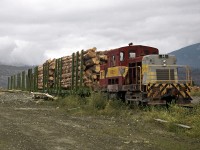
{"points": [[83, 92], [71, 101], [117, 104], [115, 108], [98, 101]]}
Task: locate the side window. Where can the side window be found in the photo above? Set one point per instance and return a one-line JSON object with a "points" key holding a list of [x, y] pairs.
{"points": [[121, 55], [113, 61], [131, 54]]}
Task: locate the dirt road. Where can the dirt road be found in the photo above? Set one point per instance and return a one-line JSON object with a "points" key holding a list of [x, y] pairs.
{"points": [[25, 125]]}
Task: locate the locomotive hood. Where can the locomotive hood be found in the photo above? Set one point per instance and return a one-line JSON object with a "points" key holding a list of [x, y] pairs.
{"points": [[159, 60], [158, 68]]}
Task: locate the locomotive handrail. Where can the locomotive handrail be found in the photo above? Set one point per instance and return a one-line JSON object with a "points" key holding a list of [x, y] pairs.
{"points": [[140, 78], [171, 65], [140, 73], [174, 81]]}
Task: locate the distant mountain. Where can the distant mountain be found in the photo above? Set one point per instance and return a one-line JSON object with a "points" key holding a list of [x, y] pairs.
{"points": [[189, 55], [6, 71]]}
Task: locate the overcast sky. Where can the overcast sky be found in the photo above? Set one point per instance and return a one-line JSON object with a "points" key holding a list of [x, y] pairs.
{"points": [[32, 31]]}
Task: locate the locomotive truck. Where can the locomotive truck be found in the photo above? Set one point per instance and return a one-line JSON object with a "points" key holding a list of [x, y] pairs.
{"points": [[134, 73]]}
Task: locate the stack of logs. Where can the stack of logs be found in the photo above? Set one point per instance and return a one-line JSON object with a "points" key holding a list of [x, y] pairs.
{"points": [[40, 77], [50, 64], [51, 72], [92, 60], [66, 72]]}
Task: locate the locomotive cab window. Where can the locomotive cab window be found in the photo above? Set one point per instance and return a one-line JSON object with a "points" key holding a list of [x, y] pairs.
{"points": [[121, 56], [113, 81], [132, 54], [113, 61]]}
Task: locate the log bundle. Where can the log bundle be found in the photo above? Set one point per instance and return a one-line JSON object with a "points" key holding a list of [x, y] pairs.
{"points": [[66, 72], [51, 72], [92, 61], [71, 68], [40, 77]]}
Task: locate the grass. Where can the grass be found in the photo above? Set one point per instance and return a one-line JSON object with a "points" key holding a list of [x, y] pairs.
{"points": [[178, 115], [98, 105], [195, 93]]}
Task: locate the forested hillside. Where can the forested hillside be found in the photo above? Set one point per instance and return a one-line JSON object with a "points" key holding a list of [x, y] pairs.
{"points": [[190, 55]]}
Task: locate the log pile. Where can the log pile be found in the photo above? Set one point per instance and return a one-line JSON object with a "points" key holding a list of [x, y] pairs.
{"points": [[51, 72], [66, 72], [46, 70], [91, 59], [40, 77]]}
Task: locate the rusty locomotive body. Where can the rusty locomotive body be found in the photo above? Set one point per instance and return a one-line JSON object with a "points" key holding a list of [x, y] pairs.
{"points": [[139, 74]]}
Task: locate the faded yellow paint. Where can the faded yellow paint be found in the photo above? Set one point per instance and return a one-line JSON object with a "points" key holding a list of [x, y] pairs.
{"points": [[151, 77], [112, 72], [152, 73], [117, 71], [176, 76], [144, 68], [126, 71]]}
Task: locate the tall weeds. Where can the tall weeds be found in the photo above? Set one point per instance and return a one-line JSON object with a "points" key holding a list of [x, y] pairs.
{"points": [[99, 104], [178, 115]]}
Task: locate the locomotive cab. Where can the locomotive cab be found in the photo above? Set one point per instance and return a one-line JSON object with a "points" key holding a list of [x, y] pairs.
{"points": [[123, 71]]}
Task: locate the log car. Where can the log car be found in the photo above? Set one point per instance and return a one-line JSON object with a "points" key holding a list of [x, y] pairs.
{"points": [[139, 74]]}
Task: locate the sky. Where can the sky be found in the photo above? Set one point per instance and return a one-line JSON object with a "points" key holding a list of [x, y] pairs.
{"points": [[32, 31]]}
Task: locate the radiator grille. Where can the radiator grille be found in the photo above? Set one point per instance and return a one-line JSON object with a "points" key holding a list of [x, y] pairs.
{"points": [[165, 74]]}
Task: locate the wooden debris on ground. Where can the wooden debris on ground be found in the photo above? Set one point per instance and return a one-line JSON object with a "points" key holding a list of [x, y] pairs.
{"points": [[180, 125], [38, 95]]}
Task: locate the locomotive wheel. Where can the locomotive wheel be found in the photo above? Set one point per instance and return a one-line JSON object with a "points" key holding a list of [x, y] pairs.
{"points": [[130, 99]]}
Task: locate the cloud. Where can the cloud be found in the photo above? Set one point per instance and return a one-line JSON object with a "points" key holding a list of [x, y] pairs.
{"points": [[17, 52], [35, 30], [7, 46]]}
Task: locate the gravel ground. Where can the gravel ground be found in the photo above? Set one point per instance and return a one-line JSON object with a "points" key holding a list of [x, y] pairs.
{"points": [[195, 100], [26, 125]]}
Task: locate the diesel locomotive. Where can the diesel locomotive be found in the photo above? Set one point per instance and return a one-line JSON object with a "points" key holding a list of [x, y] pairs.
{"points": [[139, 74]]}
